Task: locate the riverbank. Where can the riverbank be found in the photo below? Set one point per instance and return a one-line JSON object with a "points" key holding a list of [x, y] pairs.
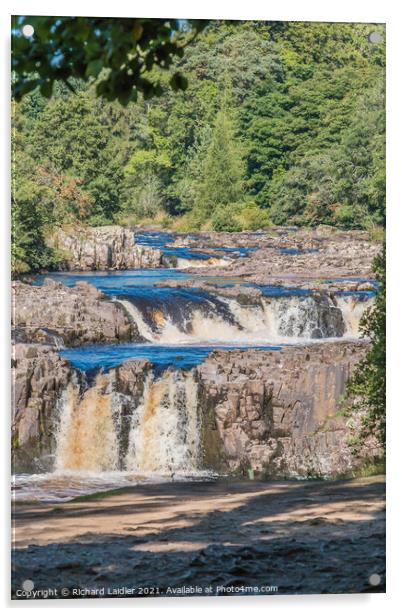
{"points": [[301, 537]]}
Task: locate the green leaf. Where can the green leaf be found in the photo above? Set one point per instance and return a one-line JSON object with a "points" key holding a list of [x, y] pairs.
{"points": [[94, 68], [46, 88]]}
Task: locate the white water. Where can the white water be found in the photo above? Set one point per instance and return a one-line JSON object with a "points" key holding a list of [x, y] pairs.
{"points": [[63, 486], [272, 320], [163, 436], [143, 328], [352, 311], [164, 433], [214, 261], [163, 440], [86, 437]]}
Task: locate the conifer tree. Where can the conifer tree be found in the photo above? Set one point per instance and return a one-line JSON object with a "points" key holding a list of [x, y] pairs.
{"points": [[223, 168]]}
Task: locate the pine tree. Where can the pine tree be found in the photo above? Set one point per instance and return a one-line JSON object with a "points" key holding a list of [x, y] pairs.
{"points": [[223, 168]]}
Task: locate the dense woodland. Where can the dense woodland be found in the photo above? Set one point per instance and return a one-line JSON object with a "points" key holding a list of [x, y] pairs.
{"points": [[281, 123]]}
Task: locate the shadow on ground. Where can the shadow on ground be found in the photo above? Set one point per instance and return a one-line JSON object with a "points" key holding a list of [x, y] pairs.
{"points": [[301, 537]]}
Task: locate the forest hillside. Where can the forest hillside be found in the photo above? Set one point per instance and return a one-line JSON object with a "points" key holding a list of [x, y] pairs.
{"points": [[281, 123]]}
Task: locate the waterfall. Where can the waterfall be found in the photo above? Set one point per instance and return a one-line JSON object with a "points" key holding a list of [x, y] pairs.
{"points": [[165, 434], [86, 438], [226, 320], [164, 431], [352, 311], [143, 328], [183, 263]]}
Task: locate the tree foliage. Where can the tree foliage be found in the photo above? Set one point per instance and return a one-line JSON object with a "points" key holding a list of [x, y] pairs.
{"points": [[119, 54], [222, 169], [287, 118], [367, 387]]}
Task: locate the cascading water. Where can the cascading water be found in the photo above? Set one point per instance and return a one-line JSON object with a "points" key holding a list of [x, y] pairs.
{"points": [[164, 431], [270, 319], [86, 438], [165, 434], [352, 310]]}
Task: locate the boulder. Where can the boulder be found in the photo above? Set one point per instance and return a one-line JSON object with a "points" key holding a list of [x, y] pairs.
{"points": [[103, 248], [59, 315]]}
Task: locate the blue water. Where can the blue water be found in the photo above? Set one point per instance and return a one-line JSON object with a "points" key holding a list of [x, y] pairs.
{"points": [[155, 239], [116, 282], [139, 282], [140, 287], [162, 356], [269, 290], [361, 295], [352, 279], [161, 239]]}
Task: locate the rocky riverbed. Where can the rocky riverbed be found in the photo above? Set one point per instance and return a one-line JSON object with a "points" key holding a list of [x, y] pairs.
{"points": [[276, 412], [300, 257], [276, 255], [54, 313]]}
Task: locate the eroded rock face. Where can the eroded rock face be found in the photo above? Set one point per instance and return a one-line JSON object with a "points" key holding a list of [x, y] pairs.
{"points": [[70, 316], [39, 376], [42, 382], [128, 381], [103, 248], [277, 412]]}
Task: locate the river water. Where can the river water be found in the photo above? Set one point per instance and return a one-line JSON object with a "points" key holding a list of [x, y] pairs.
{"points": [[179, 328]]}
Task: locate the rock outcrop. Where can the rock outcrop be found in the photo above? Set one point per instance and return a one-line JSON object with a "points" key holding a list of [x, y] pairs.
{"points": [[277, 412], [289, 255], [69, 316], [39, 377], [42, 381], [103, 248], [274, 412]]}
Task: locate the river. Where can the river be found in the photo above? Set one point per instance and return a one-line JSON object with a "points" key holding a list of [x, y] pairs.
{"points": [[180, 321]]}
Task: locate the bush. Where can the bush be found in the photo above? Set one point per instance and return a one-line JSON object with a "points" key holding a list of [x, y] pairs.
{"points": [[99, 220], [252, 217], [224, 220], [367, 386], [345, 216], [377, 234], [191, 221]]}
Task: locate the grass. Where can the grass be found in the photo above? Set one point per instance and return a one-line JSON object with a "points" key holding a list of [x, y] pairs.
{"points": [[130, 220], [377, 234], [369, 469], [249, 217]]}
